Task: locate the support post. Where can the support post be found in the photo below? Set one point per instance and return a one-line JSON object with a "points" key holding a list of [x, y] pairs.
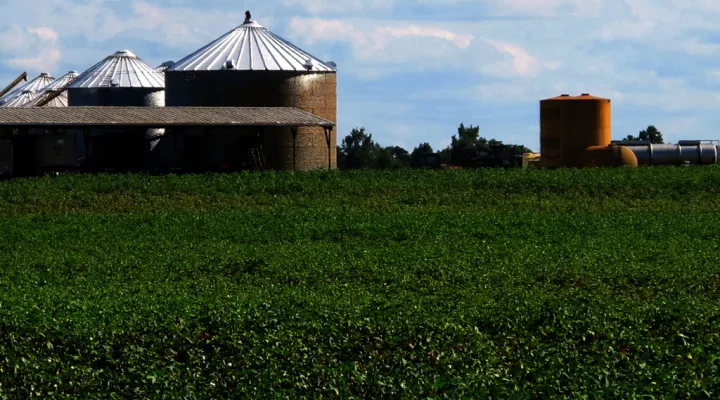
{"points": [[294, 131], [328, 130], [86, 137]]}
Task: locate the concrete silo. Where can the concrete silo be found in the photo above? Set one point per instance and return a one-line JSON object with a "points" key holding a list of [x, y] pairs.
{"points": [[250, 66], [121, 79]]}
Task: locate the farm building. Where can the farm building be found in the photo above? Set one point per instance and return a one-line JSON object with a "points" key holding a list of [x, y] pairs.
{"points": [[247, 100]]}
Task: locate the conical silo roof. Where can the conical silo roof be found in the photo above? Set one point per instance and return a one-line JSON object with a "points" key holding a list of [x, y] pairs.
{"points": [[122, 69], [37, 84], [251, 47], [60, 100], [19, 100], [61, 81]]}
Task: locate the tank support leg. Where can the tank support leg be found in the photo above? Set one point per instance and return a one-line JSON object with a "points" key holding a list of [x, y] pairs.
{"points": [[328, 130], [294, 131]]}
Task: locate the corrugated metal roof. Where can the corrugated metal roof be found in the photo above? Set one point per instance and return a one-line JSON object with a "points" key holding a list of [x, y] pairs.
{"points": [[62, 81], [251, 46], [37, 84], [19, 100], [160, 116], [122, 69], [60, 100]]}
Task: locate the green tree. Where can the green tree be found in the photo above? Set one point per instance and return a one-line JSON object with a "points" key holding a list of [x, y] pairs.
{"points": [[393, 157], [358, 150], [420, 153], [651, 133], [467, 136]]}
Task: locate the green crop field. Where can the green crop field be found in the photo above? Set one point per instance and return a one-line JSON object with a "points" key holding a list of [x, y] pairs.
{"points": [[409, 284]]}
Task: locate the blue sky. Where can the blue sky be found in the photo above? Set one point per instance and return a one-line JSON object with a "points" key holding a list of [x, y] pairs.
{"points": [[412, 71]]}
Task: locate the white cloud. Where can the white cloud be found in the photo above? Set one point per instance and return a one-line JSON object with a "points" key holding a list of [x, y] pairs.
{"points": [[335, 6], [44, 33], [521, 62], [585, 8], [33, 49], [316, 30], [44, 60]]}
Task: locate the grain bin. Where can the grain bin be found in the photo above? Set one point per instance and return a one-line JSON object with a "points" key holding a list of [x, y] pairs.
{"points": [[36, 86], [20, 99], [121, 79], [569, 125], [250, 66], [59, 100]]}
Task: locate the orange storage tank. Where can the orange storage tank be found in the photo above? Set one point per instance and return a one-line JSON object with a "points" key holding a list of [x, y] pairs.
{"points": [[609, 156], [569, 125], [554, 123]]}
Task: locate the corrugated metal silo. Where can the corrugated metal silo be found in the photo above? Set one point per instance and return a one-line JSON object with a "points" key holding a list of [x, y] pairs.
{"points": [[250, 66], [20, 99], [36, 85], [121, 79], [59, 100]]}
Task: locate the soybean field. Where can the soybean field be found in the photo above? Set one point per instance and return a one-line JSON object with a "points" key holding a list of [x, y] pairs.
{"points": [[527, 284]]}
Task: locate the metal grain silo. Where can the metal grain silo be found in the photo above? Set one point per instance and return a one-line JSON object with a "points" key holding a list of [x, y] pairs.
{"points": [[36, 86], [20, 99], [569, 125], [250, 66], [57, 99], [121, 79]]}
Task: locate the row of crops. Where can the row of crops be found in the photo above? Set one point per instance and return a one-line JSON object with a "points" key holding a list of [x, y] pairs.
{"points": [[367, 284]]}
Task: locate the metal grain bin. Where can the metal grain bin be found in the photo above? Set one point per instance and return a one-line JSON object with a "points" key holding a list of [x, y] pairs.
{"points": [[35, 85], [59, 100], [121, 79], [250, 66], [20, 99]]}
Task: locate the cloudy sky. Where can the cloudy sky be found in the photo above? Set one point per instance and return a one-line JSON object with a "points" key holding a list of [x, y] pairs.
{"points": [[412, 71]]}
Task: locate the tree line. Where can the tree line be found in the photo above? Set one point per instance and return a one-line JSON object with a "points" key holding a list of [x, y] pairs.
{"points": [[651, 134], [467, 149]]}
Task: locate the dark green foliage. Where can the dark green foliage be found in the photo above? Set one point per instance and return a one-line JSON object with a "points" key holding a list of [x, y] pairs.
{"points": [[651, 133], [362, 284]]}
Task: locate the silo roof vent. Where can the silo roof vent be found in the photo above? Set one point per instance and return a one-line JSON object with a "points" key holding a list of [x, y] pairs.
{"points": [[309, 64], [251, 47], [121, 69]]}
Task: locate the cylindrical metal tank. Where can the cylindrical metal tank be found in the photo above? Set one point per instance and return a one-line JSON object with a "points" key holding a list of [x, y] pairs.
{"points": [[251, 67], [675, 154], [609, 156], [569, 125], [554, 123], [121, 79]]}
